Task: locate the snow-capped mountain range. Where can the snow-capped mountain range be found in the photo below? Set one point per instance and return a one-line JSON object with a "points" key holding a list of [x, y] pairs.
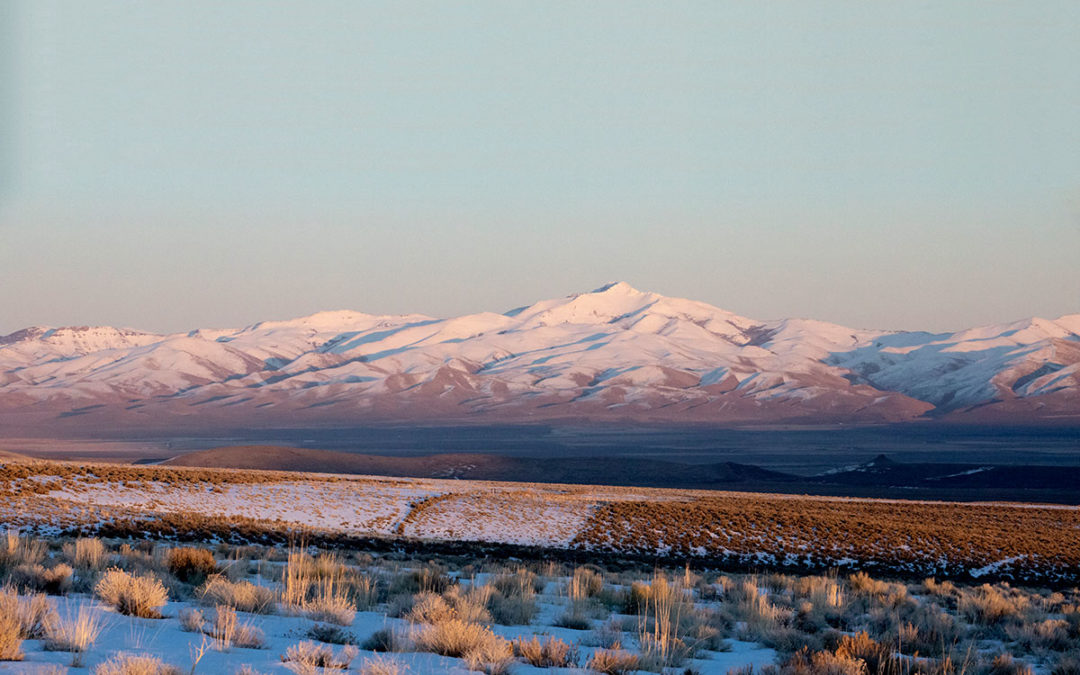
{"points": [[613, 354]]}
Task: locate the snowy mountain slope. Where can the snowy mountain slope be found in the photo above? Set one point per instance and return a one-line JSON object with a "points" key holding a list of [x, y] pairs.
{"points": [[615, 353]]}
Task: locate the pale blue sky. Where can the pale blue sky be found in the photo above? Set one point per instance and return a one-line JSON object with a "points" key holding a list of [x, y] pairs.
{"points": [[168, 165]]}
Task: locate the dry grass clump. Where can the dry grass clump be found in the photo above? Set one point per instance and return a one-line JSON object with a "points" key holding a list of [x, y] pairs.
{"points": [[1040, 636], [305, 658], [16, 550], [989, 605], [615, 661], [316, 588], [454, 637], [11, 636], [191, 565], [28, 614], [141, 596], [430, 608], [584, 583], [379, 665], [661, 606], [584, 589], [940, 589], [875, 592], [475, 643], [512, 610], [74, 633], [877, 657], [467, 604], [492, 657], [242, 596], [86, 554], [227, 630], [1005, 664], [55, 580], [551, 653], [136, 664], [191, 620], [805, 662], [764, 621], [363, 589], [824, 593], [928, 629], [521, 582], [513, 602], [427, 579], [471, 603]]}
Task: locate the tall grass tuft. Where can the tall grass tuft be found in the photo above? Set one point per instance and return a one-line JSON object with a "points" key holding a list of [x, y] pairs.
{"points": [[74, 633], [86, 554]]}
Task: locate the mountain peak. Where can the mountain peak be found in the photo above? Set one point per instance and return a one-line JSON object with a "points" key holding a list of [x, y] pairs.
{"points": [[620, 287]]}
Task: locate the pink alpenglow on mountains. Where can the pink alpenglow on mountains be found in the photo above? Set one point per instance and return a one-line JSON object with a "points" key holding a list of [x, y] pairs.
{"points": [[613, 354]]}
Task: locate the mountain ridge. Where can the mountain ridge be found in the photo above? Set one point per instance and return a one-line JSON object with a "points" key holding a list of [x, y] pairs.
{"points": [[615, 353]]}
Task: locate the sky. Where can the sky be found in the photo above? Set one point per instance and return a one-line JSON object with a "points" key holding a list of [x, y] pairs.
{"points": [[171, 165]]}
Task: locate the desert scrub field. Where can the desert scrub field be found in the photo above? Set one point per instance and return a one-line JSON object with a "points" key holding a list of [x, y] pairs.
{"points": [[738, 531], [110, 607]]}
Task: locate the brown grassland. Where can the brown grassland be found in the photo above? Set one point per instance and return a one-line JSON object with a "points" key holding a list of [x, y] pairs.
{"points": [[728, 530]]}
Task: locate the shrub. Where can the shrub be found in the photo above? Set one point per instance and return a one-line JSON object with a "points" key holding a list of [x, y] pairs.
{"points": [[306, 656], [428, 579], [191, 620], [380, 666], [613, 662], [512, 610], [387, 640], [1067, 664], [430, 608], [989, 605], [324, 632], [56, 580], [522, 583], [1052, 635], [242, 596], [470, 604], [331, 608], [135, 664], [861, 647], [191, 565], [132, 595], [574, 618], [492, 657], [11, 637], [1004, 664], [74, 633], [803, 662], [455, 637], [552, 653]]}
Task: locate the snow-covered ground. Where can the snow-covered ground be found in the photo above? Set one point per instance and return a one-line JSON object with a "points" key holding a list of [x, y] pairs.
{"points": [[165, 639]]}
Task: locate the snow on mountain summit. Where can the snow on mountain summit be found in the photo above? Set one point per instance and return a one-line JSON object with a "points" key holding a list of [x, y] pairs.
{"points": [[612, 353]]}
